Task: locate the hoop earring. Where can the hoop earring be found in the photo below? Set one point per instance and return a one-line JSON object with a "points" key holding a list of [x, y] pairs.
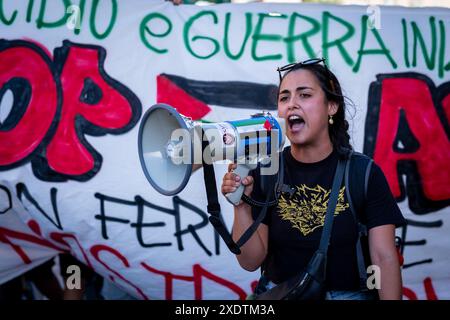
{"points": [[330, 120]]}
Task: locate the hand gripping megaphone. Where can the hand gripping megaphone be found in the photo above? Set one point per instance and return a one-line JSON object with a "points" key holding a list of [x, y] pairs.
{"points": [[171, 146]]}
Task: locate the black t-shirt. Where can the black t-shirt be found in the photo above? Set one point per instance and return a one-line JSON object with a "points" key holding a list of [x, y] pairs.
{"points": [[295, 224]]}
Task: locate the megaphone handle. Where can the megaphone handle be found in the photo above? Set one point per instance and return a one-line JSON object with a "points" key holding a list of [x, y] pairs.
{"points": [[242, 171]]}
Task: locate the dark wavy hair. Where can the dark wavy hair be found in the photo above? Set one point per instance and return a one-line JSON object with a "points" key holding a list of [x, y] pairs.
{"points": [[329, 83]]}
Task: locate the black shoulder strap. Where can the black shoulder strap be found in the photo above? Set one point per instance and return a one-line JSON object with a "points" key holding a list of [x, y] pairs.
{"points": [[357, 173], [213, 207], [332, 202]]}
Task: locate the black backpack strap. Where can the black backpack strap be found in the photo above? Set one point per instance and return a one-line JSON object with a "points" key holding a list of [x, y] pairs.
{"points": [[357, 173]]}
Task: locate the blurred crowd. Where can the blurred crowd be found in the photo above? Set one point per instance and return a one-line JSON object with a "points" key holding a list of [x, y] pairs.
{"points": [[55, 280]]}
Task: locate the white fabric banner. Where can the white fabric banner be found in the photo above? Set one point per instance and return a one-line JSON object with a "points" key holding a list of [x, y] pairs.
{"points": [[76, 77]]}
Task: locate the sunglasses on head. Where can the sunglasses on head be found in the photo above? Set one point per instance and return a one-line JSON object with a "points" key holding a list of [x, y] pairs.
{"points": [[299, 64], [308, 62]]}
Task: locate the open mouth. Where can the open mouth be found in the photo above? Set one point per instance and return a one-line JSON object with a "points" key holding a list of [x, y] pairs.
{"points": [[296, 123]]}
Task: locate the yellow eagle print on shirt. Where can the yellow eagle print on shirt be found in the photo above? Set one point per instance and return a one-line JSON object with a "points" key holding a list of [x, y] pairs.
{"points": [[307, 208]]}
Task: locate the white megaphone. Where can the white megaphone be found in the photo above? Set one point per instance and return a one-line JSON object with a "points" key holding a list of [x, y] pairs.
{"points": [[170, 146]]}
